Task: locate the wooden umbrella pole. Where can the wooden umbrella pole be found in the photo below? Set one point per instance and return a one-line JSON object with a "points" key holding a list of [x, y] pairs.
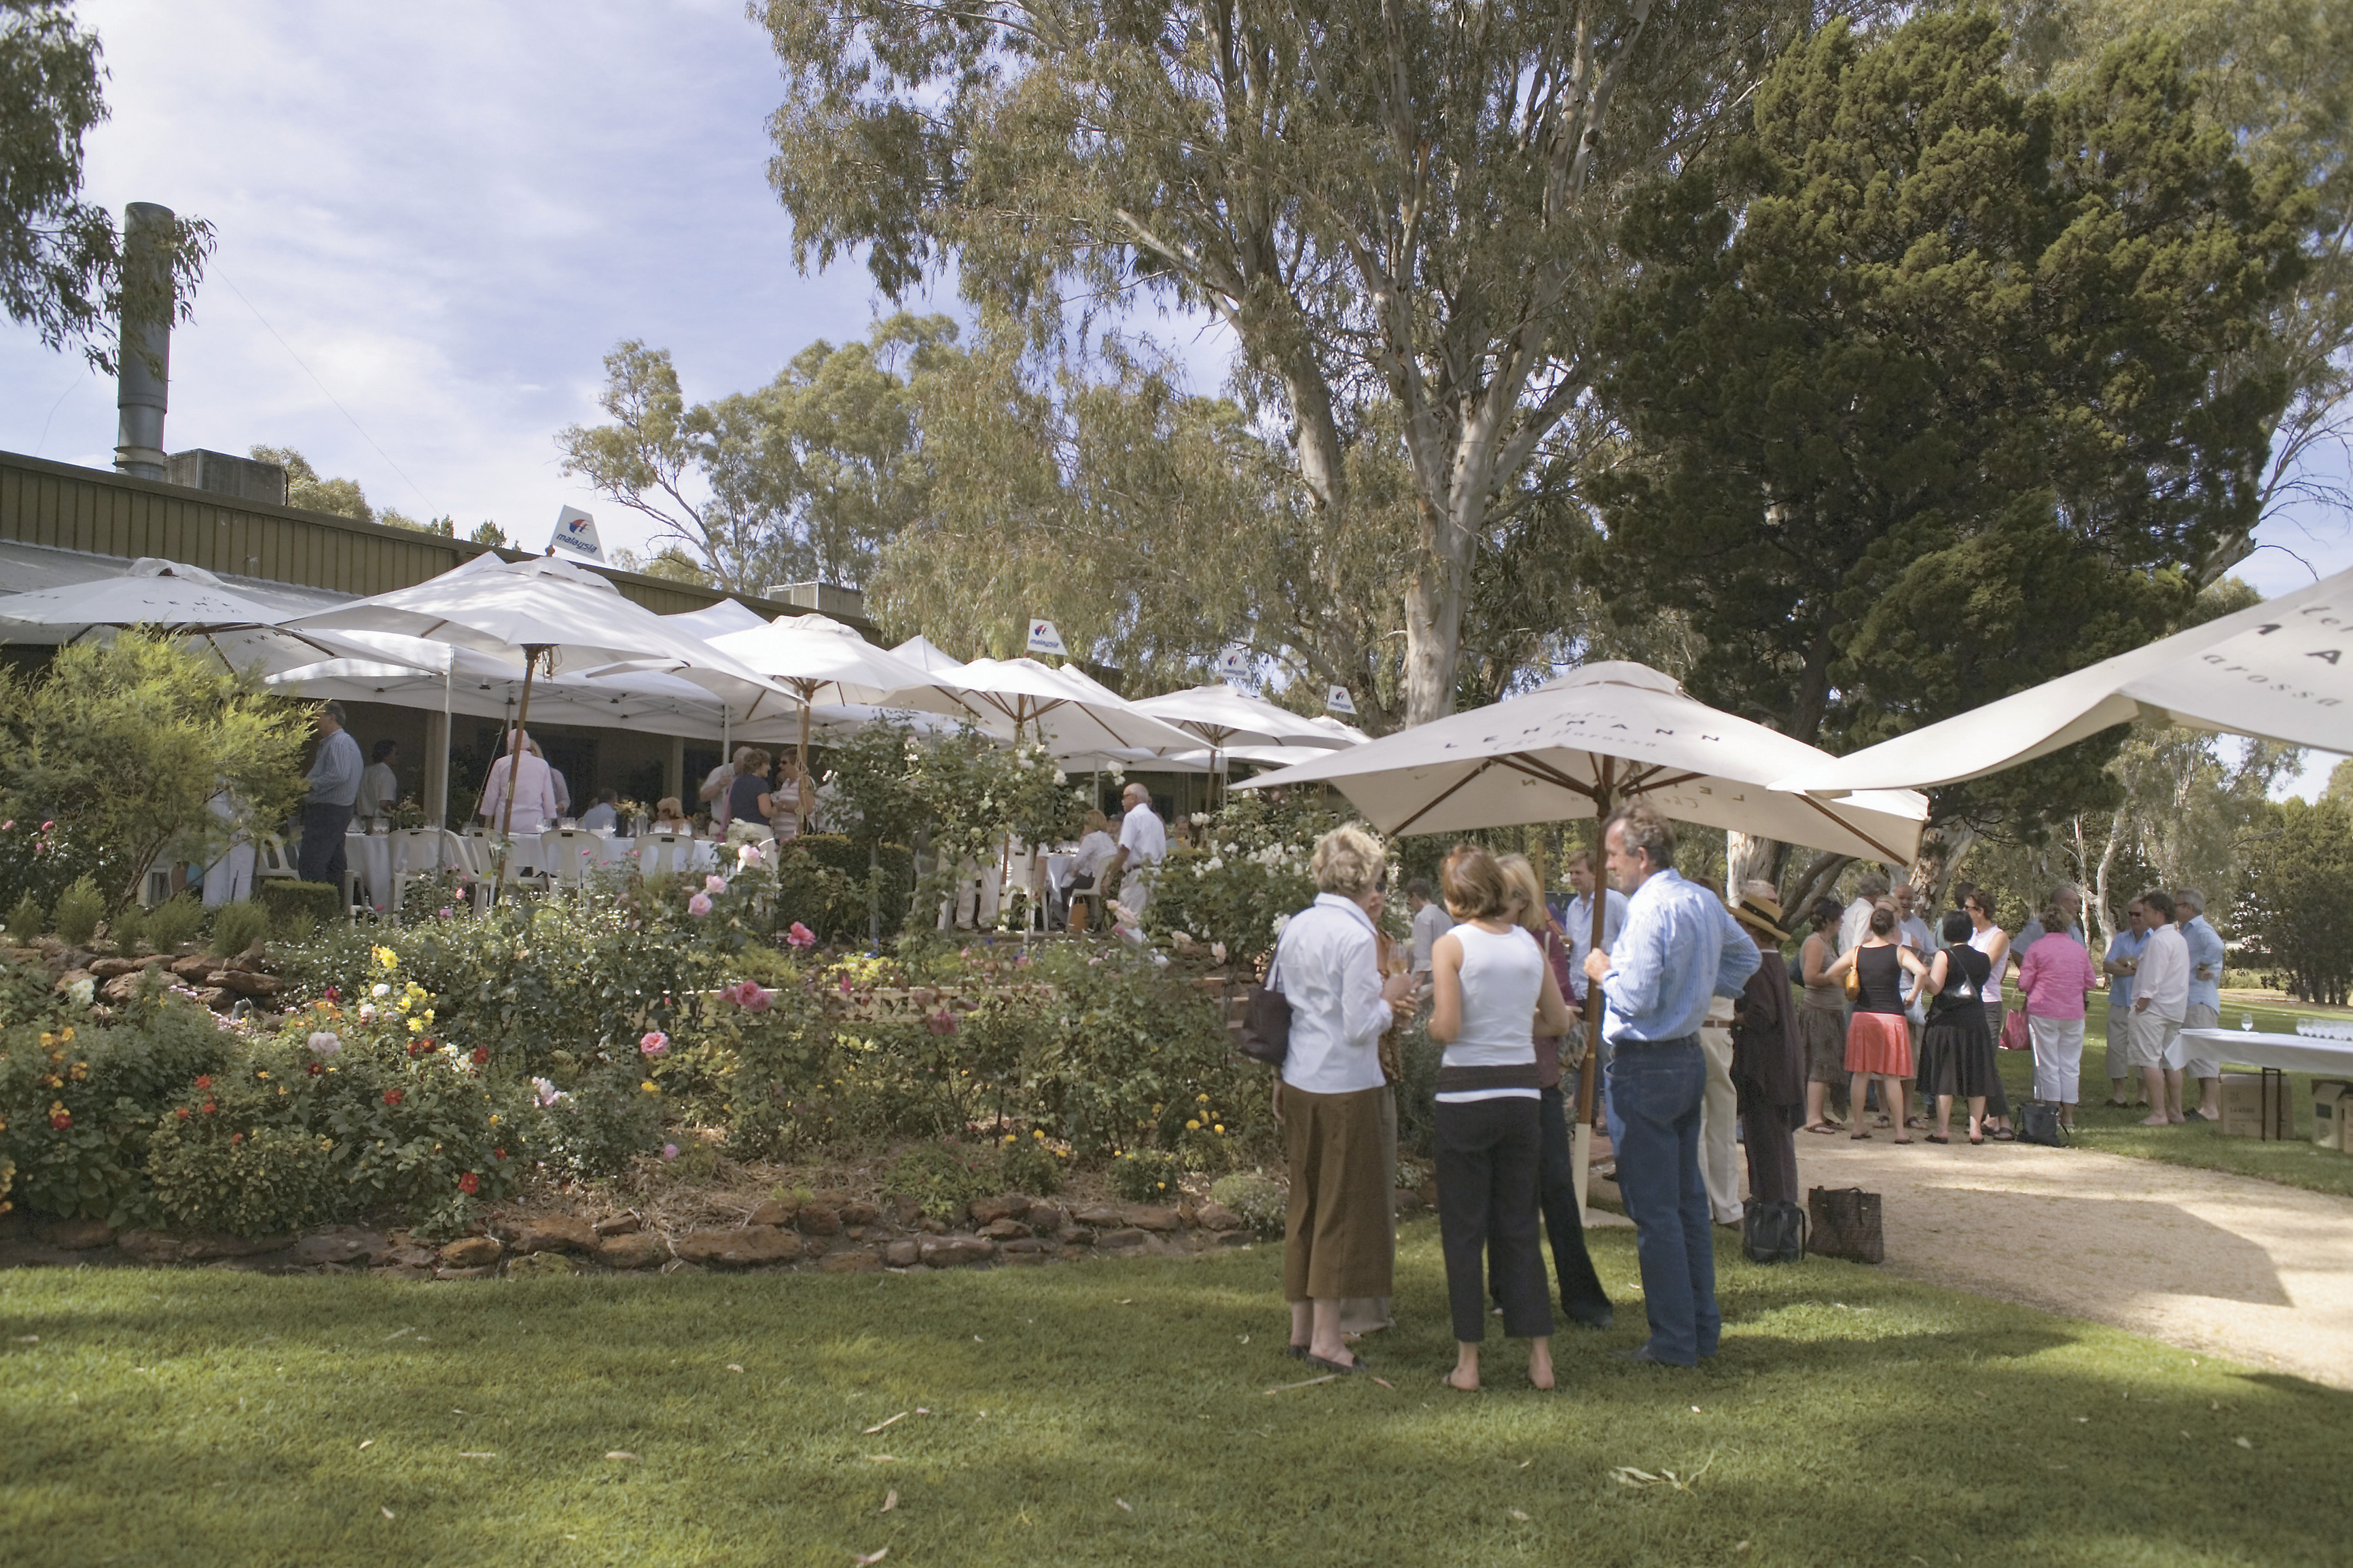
{"points": [[514, 769], [1589, 1081]]}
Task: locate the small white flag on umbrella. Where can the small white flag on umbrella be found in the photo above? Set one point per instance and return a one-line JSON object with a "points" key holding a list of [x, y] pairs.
{"points": [[1337, 700], [575, 534], [1044, 639]]}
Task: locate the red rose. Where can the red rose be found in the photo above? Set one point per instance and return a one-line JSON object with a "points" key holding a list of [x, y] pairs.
{"points": [[392, 1097], [498, 1153], [481, 1054], [333, 994], [470, 1184], [316, 1069], [61, 1120], [207, 1108], [205, 1081], [415, 1049], [183, 1113], [235, 1139]]}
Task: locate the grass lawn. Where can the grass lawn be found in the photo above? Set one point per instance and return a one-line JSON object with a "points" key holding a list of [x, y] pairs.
{"points": [[2296, 1161], [1112, 1413]]}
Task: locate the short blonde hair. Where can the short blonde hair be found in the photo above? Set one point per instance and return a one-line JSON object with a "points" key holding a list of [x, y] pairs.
{"points": [[1474, 885], [1521, 873], [1348, 861]]}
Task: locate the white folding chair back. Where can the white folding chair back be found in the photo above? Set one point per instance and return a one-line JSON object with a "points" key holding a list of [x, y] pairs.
{"points": [[568, 855], [270, 860], [666, 854]]}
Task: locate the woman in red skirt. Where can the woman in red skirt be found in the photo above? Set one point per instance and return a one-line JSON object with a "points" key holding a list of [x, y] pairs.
{"points": [[1878, 1037]]}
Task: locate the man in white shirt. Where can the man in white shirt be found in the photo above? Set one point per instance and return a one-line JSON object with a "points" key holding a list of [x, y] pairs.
{"points": [[1431, 921], [2160, 997], [1142, 845], [715, 785], [1578, 920], [1855, 924], [379, 786], [2119, 966]]}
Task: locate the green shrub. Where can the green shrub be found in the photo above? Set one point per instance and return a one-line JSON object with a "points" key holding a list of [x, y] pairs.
{"points": [[127, 928], [27, 919], [847, 917], [284, 899], [175, 920], [1259, 1201], [298, 926], [596, 1128], [80, 909], [238, 925], [1145, 1176], [943, 1177], [1031, 1165], [266, 1180]]}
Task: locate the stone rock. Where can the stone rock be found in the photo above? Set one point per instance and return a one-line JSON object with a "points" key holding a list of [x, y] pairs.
{"points": [[488, 1271], [409, 1254], [954, 1251], [108, 968], [902, 1254], [1126, 1236], [618, 1224], [905, 1211], [78, 1234], [859, 1212], [635, 1250], [540, 1263], [470, 1252], [1071, 1235], [1218, 1217], [344, 1244], [1107, 1216], [853, 1233], [72, 977], [1408, 1202], [820, 1219], [246, 982], [194, 967], [1026, 1259], [1006, 1230], [988, 1211], [739, 1248], [121, 989], [557, 1233], [934, 1227], [1161, 1220], [776, 1210], [1047, 1218], [213, 996], [1025, 1244], [855, 1260]]}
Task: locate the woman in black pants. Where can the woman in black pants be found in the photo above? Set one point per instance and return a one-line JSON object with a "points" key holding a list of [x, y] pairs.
{"points": [[1490, 986], [1582, 1298]]}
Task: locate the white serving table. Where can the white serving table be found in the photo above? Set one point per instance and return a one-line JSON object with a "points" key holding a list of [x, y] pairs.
{"points": [[2276, 1055]]}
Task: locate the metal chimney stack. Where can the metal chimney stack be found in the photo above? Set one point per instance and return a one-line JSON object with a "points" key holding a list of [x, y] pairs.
{"points": [[144, 377]]}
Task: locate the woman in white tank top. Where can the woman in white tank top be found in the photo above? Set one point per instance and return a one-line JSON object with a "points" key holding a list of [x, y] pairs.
{"points": [[1490, 982]]}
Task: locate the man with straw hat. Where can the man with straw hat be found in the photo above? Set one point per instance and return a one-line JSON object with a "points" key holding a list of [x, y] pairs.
{"points": [[1769, 1063]]}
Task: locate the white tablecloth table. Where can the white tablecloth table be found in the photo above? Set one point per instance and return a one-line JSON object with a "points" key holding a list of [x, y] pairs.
{"points": [[2275, 1055], [370, 853]]}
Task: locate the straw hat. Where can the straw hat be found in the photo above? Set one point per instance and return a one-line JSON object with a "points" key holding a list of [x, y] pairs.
{"points": [[1759, 908]]}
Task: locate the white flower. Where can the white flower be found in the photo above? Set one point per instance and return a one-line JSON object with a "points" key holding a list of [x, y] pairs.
{"points": [[1201, 819], [323, 1043], [367, 1012], [1062, 777], [1217, 951], [1215, 863], [1281, 921], [379, 989]]}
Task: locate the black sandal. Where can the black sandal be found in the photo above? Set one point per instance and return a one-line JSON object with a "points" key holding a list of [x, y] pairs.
{"points": [[1296, 1352], [1344, 1367]]}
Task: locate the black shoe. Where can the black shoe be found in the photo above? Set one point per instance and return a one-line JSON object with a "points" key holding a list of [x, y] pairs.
{"points": [[1601, 1320], [1296, 1352], [2195, 1116]]}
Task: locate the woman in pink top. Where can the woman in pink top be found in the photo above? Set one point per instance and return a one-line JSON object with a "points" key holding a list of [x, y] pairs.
{"points": [[2054, 976]]}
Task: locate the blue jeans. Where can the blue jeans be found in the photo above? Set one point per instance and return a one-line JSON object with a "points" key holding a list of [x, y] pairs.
{"points": [[1654, 1114]]}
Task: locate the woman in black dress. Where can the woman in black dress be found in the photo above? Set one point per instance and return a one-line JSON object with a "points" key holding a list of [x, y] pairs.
{"points": [[1956, 1048]]}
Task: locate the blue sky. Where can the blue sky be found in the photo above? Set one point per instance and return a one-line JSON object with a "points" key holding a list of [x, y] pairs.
{"points": [[440, 216]]}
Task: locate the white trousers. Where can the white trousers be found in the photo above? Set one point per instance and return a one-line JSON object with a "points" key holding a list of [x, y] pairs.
{"points": [[230, 877], [1719, 1127], [2058, 1058]]}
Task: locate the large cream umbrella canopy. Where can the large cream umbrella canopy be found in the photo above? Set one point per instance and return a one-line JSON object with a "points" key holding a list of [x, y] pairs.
{"points": [[1015, 697], [1592, 740], [818, 659], [167, 596], [2276, 671], [1229, 720]]}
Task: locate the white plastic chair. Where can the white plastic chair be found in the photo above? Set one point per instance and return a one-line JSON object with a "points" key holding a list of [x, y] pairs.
{"points": [[568, 855], [270, 860], [666, 854]]}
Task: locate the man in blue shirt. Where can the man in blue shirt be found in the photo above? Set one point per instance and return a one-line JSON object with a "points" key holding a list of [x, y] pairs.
{"points": [[334, 781], [1680, 947], [2205, 1010], [2123, 959]]}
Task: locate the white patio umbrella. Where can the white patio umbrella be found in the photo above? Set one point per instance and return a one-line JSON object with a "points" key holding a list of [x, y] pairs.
{"points": [[553, 613], [818, 659], [1587, 743], [1018, 696], [717, 620], [2275, 672], [1227, 719], [925, 654], [166, 594]]}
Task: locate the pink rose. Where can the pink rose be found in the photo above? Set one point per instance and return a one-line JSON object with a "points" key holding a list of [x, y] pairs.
{"points": [[941, 1021], [714, 885], [654, 1043], [669, 1151], [801, 936], [699, 905]]}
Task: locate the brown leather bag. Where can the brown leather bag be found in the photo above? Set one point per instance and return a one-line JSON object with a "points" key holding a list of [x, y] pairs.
{"points": [[1845, 1224]]}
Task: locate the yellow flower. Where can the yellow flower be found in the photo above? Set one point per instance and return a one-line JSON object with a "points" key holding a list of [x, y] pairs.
{"points": [[417, 1025], [494, 1121], [386, 958], [67, 1032], [648, 1086], [1191, 1125], [1034, 1132], [1203, 1099], [49, 1041], [1220, 1130], [261, 1075]]}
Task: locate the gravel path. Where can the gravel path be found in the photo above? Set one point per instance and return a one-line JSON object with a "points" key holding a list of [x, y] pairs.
{"points": [[2258, 1273]]}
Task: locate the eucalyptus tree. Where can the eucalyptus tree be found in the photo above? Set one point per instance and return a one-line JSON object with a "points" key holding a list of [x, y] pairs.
{"points": [[1385, 203]]}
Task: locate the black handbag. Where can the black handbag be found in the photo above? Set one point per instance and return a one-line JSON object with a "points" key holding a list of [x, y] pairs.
{"points": [[1846, 1224], [2038, 1122], [1265, 1028], [1772, 1232]]}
